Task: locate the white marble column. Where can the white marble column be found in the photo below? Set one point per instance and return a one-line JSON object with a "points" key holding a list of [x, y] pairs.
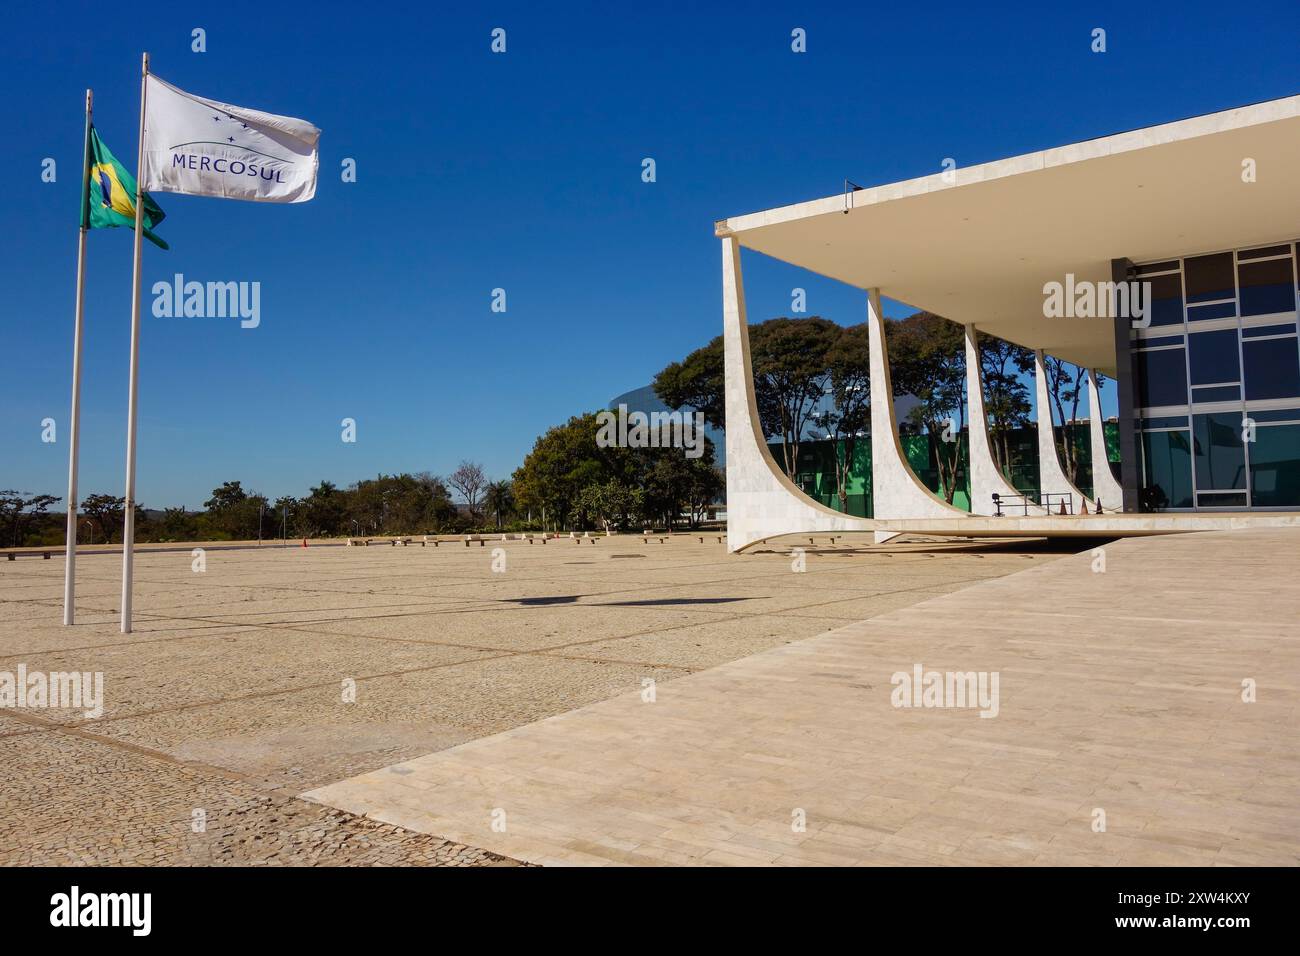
{"points": [[1051, 476], [986, 478], [1104, 486], [896, 492], [762, 502]]}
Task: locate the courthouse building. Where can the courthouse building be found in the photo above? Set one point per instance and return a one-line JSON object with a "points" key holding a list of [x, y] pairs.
{"points": [[1203, 214]]}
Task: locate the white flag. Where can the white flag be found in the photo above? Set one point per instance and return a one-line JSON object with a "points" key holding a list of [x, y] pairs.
{"points": [[202, 147]]}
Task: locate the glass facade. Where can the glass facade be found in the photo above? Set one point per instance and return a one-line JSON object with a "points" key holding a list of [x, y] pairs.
{"points": [[1218, 381]]}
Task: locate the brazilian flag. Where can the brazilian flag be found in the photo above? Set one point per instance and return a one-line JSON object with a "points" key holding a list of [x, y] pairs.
{"points": [[110, 194]]}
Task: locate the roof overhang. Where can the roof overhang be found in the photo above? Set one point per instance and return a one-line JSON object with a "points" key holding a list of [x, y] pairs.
{"points": [[978, 244]]}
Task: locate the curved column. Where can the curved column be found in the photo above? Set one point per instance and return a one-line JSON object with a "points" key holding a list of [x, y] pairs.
{"points": [[986, 479], [1051, 476], [762, 502], [896, 492], [1104, 486]]}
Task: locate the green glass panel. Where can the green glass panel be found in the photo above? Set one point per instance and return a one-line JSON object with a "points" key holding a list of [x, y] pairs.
{"points": [[1220, 452], [1275, 466], [1167, 470]]}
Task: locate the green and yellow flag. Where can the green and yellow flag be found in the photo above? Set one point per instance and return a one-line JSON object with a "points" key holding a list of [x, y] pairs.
{"points": [[110, 194]]}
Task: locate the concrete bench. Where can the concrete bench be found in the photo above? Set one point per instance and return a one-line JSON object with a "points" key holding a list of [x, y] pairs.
{"points": [[13, 555]]}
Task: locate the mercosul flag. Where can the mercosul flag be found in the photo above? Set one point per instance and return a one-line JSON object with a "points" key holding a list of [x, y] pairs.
{"points": [[202, 147]]}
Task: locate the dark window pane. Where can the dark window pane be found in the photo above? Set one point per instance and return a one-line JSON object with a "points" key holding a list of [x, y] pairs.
{"points": [[1272, 368], [1267, 287], [1275, 466], [1219, 451], [1162, 377], [1166, 470], [1268, 330], [1260, 253], [1210, 277], [1212, 357], [1229, 500], [1221, 393], [1168, 421], [1167, 300], [1220, 310], [1277, 415]]}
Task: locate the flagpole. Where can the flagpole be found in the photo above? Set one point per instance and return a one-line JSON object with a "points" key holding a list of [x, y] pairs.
{"points": [[70, 554], [128, 521]]}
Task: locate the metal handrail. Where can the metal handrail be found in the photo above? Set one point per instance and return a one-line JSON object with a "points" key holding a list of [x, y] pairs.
{"points": [[1065, 498]]}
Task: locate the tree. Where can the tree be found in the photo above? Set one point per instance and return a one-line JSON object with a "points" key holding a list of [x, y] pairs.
{"points": [[499, 499], [705, 485], [19, 512], [176, 524], [106, 512], [697, 382], [928, 360], [1065, 384], [848, 363], [791, 376], [789, 359], [673, 484], [397, 504], [232, 513], [230, 494], [607, 504], [469, 479], [322, 511], [1006, 397], [284, 513], [657, 483], [564, 461]]}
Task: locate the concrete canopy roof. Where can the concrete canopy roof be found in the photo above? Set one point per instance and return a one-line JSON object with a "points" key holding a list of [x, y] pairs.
{"points": [[979, 249]]}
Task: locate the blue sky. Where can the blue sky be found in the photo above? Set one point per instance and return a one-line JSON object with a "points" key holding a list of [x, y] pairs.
{"points": [[519, 171]]}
